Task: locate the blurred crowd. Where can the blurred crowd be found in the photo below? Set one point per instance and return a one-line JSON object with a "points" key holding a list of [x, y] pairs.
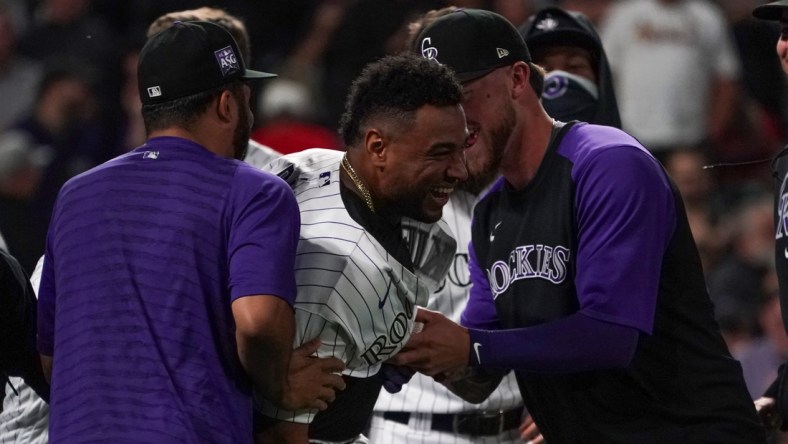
{"points": [[711, 94]]}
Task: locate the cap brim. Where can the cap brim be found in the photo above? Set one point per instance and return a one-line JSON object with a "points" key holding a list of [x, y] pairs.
{"points": [[769, 12], [252, 74]]}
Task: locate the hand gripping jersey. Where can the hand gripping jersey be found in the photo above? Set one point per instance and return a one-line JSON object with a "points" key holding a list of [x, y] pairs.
{"points": [[351, 292], [422, 393]]}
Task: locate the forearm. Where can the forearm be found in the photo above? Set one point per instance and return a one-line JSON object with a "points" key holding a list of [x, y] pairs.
{"points": [[571, 344], [265, 347], [475, 385], [46, 367]]}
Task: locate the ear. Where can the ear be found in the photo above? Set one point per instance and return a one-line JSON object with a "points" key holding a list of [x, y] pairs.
{"points": [[375, 147], [226, 108], [521, 73]]}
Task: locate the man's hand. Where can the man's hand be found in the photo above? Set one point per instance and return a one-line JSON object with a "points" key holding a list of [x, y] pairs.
{"points": [[311, 382], [441, 347], [529, 432], [768, 412]]}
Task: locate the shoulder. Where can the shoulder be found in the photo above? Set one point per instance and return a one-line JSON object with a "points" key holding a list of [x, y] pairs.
{"points": [[259, 155], [585, 144], [247, 175], [294, 166]]}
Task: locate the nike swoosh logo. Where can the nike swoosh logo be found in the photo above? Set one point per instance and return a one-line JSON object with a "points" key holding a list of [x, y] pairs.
{"points": [[492, 234], [383, 301], [476, 347]]}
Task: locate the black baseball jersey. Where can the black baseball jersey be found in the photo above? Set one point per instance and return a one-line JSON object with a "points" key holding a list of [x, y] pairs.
{"points": [[602, 231], [779, 389]]}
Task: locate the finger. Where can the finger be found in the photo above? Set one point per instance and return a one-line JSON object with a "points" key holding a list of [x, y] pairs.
{"points": [[408, 356], [531, 432], [318, 404], [331, 365], [538, 440], [308, 348], [423, 315], [335, 382], [327, 395]]}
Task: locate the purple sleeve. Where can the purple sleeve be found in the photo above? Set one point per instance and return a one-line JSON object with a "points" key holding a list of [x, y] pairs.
{"points": [[264, 232], [625, 220], [46, 303], [480, 312], [584, 343]]}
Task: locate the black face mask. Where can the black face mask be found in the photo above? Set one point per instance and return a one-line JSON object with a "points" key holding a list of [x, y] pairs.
{"points": [[569, 97]]}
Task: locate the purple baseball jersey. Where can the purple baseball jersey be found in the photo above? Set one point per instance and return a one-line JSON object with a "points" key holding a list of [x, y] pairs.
{"points": [[145, 255]]}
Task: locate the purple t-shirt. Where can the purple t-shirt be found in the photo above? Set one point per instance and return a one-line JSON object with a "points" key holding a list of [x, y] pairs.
{"points": [[145, 254]]}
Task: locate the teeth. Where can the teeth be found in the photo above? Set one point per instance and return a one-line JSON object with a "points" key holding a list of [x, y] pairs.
{"points": [[443, 190]]}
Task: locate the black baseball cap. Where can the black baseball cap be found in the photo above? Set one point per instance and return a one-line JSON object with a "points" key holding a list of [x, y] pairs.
{"points": [[554, 26], [472, 42], [188, 58], [771, 11]]}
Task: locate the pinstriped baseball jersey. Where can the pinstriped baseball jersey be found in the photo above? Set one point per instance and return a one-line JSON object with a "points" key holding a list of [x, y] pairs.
{"points": [[422, 394], [351, 292], [259, 155], [24, 418]]}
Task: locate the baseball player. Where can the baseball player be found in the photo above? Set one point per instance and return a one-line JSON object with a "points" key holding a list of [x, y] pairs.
{"points": [[586, 280], [257, 154], [359, 279], [24, 417], [773, 405], [424, 411], [176, 239], [560, 38]]}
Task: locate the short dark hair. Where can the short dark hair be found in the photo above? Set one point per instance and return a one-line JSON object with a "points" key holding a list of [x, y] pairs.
{"points": [[396, 86], [185, 111]]}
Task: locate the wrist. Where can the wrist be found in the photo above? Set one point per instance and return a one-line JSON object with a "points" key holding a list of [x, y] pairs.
{"points": [[480, 347]]}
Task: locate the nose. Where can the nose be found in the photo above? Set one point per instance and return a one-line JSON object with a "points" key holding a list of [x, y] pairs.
{"points": [[458, 170]]}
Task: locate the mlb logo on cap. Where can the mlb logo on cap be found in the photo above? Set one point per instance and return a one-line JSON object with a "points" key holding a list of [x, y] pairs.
{"points": [[228, 62], [154, 91]]}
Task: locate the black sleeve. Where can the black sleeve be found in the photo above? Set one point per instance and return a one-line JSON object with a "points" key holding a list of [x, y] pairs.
{"points": [[350, 412], [18, 354]]}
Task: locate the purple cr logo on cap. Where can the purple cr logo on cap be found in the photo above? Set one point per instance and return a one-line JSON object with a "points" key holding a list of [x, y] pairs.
{"points": [[228, 62]]}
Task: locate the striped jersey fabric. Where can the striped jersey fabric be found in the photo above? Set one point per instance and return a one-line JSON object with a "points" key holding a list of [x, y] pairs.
{"points": [[351, 293], [422, 394]]}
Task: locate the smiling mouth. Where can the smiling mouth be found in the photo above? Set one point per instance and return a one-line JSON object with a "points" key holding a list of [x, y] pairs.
{"points": [[442, 192]]}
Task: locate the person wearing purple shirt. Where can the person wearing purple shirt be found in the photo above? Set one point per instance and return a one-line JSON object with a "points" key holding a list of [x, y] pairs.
{"points": [[168, 279], [586, 279]]}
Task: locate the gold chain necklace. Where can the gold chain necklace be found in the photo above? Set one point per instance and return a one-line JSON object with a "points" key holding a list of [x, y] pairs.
{"points": [[357, 181]]}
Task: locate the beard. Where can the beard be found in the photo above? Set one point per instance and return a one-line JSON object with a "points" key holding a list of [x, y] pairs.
{"points": [[482, 174], [407, 202], [242, 132]]}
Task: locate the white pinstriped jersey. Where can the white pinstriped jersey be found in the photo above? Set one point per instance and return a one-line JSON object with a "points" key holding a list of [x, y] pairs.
{"points": [[24, 419], [259, 155], [351, 292], [422, 394], [25, 416]]}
